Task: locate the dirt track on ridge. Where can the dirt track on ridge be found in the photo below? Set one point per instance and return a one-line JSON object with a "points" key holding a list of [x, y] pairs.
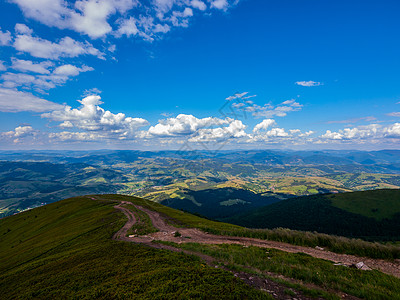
{"points": [[166, 233]]}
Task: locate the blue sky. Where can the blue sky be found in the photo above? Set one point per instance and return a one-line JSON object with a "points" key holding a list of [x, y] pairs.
{"points": [[172, 74]]}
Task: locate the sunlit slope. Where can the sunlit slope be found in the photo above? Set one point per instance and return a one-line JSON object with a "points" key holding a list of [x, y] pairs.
{"points": [[65, 250], [373, 215]]}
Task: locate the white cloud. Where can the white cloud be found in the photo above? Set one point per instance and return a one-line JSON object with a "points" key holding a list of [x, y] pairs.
{"points": [[91, 92], [2, 66], [198, 4], [237, 96], [276, 132], [308, 83], [264, 125], [369, 134], [220, 4], [332, 135], [48, 12], [269, 110], [30, 66], [394, 114], [16, 101], [5, 38], [180, 18], [70, 70], [305, 134], [161, 28], [66, 47], [183, 125], [127, 27], [392, 131], [99, 18], [92, 17], [235, 129], [39, 82], [86, 16], [23, 29], [20, 132], [91, 117]]}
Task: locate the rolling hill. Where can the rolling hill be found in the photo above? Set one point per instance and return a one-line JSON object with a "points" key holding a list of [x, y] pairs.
{"points": [[65, 250], [371, 215], [85, 247]]}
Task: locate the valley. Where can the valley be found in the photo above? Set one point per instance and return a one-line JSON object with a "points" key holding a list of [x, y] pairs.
{"points": [[33, 178]]}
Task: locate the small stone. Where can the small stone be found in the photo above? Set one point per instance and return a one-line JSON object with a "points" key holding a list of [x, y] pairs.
{"points": [[362, 266]]}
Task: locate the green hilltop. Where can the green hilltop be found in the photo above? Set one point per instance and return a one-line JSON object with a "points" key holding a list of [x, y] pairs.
{"points": [[65, 250]]}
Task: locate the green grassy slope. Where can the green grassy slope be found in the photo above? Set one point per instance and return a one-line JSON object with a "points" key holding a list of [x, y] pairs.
{"points": [[373, 215], [333, 243], [377, 204], [64, 250]]}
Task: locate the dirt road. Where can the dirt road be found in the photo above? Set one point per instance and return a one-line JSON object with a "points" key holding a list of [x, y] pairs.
{"points": [[166, 233]]}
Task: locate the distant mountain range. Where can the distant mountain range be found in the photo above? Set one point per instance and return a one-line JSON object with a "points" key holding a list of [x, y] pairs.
{"points": [[266, 157], [239, 180]]}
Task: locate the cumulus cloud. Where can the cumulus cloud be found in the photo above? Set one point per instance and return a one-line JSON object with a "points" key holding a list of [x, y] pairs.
{"points": [[23, 29], [127, 27], [93, 118], [183, 125], [277, 135], [30, 66], [235, 129], [264, 125], [309, 83], [364, 134], [360, 132], [65, 47], [42, 81], [19, 133], [392, 131], [98, 19], [5, 38], [269, 110], [16, 101], [198, 4], [220, 4], [70, 70], [86, 16]]}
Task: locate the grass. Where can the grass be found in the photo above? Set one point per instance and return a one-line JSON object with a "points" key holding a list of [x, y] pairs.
{"points": [[143, 223], [377, 204], [300, 266], [65, 250], [333, 243]]}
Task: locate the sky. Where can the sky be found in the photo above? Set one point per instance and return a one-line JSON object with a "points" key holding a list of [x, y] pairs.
{"points": [[199, 74]]}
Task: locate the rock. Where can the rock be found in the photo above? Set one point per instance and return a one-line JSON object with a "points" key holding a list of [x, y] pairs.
{"points": [[362, 266], [319, 248]]}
